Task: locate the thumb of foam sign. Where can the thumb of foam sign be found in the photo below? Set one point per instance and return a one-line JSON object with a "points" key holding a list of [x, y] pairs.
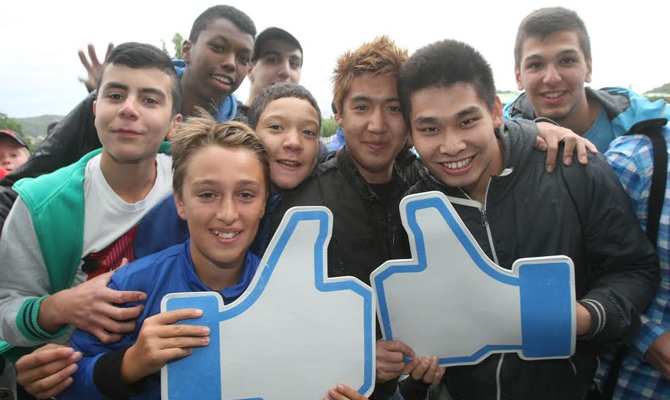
{"points": [[292, 335], [453, 302]]}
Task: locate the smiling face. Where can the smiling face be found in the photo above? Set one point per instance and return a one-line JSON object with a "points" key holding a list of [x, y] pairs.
{"points": [[453, 132], [553, 72], [373, 124], [289, 129], [223, 199], [279, 61], [218, 61], [133, 113]]}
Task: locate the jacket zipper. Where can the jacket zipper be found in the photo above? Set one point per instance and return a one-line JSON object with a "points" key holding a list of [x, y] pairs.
{"points": [[485, 222]]}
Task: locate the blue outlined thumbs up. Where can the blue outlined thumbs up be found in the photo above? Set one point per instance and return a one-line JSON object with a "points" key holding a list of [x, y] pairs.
{"points": [[453, 302], [292, 335]]}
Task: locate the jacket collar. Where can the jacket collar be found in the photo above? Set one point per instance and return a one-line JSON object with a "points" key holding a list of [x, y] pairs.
{"points": [[348, 168]]}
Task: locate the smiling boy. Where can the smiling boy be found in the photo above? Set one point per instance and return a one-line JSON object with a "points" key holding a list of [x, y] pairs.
{"points": [[553, 64], [497, 183], [77, 223]]}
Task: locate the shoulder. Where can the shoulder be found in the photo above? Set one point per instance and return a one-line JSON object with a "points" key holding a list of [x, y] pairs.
{"points": [[143, 274]]}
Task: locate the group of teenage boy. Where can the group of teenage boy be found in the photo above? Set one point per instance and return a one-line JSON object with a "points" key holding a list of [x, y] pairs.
{"points": [[110, 191]]}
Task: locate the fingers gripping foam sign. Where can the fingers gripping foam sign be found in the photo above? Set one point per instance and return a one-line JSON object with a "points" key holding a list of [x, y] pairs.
{"points": [[453, 302], [292, 335]]}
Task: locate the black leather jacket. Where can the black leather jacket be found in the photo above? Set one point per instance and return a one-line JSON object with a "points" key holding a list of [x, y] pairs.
{"points": [[578, 211]]}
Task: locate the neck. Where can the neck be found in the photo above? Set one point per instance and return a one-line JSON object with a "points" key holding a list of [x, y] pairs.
{"points": [[582, 118], [253, 93], [133, 181], [191, 99], [214, 276]]}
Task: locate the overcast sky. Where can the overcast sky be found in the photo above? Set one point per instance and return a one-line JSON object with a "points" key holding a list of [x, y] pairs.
{"points": [[39, 64]]}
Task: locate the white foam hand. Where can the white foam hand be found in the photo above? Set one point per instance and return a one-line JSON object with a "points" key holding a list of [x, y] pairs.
{"points": [[453, 302], [293, 334]]}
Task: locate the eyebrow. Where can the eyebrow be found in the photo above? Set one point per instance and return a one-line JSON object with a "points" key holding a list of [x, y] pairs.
{"points": [[368, 99], [148, 90], [203, 182], [533, 57], [434, 120]]}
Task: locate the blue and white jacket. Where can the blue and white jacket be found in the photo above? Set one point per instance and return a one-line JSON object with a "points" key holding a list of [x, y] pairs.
{"points": [[169, 271]]}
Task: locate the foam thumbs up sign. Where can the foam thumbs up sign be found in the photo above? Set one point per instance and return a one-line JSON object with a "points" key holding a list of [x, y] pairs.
{"points": [[292, 335], [451, 301]]}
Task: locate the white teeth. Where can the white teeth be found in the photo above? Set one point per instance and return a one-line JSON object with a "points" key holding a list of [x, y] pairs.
{"points": [[289, 163], [226, 235], [553, 95], [223, 79], [459, 164]]}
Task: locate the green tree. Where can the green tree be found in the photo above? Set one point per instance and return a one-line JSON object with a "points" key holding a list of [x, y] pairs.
{"points": [[177, 41], [328, 127]]}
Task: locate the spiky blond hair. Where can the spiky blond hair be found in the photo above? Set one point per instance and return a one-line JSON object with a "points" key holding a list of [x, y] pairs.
{"points": [[380, 56]]}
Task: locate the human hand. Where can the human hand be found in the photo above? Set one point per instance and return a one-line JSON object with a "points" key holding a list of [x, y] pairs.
{"points": [[344, 392], [658, 354], [94, 308], [93, 67], [583, 320], [550, 135], [160, 341], [425, 369], [391, 359], [48, 370]]}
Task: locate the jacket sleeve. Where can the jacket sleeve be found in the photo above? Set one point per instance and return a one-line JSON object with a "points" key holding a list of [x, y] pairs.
{"points": [[623, 267], [71, 139], [24, 281], [631, 157]]}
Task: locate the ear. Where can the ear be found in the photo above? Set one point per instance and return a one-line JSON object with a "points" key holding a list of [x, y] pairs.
{"points": [[174, 124], [186, 51], [588, 71], [517, 74], [250, 72], [338, 119], [497, 113], [181, 210]]}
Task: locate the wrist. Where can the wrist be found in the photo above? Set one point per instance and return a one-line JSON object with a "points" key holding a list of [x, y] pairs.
{"points": [[129, 371], [50, 316]]}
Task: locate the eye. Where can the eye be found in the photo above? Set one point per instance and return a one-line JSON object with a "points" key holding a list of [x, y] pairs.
{"points": [[151, 101], [115, 96], [294, 64], [467, 122], [395, 109], [275, 127], [206, 195], [216, 47], [244, 60], [535, 65], [568, 60], [309, 133], [428, 130], [361, 108], [272, 59], [247, 196]]}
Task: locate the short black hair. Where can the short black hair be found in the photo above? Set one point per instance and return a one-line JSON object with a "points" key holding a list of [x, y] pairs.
{"points": [[141, 55], [443, 64], [275, 92], [232, 14], [544, 22]]}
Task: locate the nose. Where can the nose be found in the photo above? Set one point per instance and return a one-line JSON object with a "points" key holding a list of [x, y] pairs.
{"points": [[284, 67], [452, 144], [551, 75], [377, 122], [129, 109], [293, 140], [228, 61], [227, 212]]}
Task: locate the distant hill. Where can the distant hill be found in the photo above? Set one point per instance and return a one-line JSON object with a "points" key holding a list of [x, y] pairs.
{"points": [[36, 127], [661, 89]]}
